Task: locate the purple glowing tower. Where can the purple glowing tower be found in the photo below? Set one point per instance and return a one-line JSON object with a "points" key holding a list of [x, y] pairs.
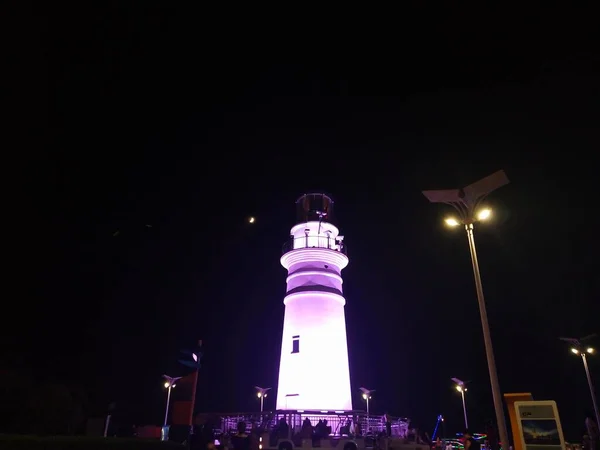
{"points": [[313, 371]]}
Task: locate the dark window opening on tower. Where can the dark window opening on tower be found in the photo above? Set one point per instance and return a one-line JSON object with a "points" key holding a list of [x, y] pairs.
{"points": [[295, 344]]}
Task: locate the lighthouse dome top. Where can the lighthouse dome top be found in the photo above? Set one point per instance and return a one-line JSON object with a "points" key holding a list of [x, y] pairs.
{"points": [[314, 207], [314, 229]]}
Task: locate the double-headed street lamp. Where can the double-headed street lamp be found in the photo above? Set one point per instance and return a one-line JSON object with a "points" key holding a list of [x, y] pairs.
{"points": [[468, 203], [169, 384], [366, 395], [461, 387], [579, 347], [261, 393]]}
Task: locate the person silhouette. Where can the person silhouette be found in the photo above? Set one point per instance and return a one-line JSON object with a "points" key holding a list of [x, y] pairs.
{"points": [[592, 431]]}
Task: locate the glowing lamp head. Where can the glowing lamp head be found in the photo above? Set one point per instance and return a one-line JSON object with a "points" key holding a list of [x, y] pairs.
{"points": [[574, 350], [259, 394], [459, 388], [251, 220], [452, 222], [590, 350], [195, 357], [484, 214], [167, 384]]}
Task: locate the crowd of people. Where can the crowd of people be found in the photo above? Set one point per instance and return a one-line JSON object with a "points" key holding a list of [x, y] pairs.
{"points": [[204, 438]]}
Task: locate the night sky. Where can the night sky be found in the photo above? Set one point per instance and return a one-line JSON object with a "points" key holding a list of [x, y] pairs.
{"points": [[191, 121]]}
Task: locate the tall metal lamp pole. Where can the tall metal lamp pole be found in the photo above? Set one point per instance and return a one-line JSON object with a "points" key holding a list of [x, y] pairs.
{"points": [[169, 384], [468, 203], [461, 387], [366, 395], [579, 347]]}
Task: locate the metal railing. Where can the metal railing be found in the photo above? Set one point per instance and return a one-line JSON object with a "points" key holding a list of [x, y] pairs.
{"points": [[314, 242], [268, 420]]}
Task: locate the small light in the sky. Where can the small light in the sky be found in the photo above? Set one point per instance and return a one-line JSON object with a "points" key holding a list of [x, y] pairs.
{"points": [[251, 220]]}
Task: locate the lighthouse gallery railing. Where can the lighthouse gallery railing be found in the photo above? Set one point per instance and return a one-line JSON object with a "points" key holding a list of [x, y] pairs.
{"points": [[296, 243]]}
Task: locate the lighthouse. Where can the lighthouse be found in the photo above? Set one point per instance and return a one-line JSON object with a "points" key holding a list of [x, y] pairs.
{"points": [[314, 373]]}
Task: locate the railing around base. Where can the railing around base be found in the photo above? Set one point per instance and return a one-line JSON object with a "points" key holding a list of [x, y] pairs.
{"points": [[341, 423]]}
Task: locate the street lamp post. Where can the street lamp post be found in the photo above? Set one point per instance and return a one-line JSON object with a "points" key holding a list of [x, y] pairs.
{"points": [[169, 384], [468, 203], [366, 395], [461, 387], [261, 393], [580, 348]]}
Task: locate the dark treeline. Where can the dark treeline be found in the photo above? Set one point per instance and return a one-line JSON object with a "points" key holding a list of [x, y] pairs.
{"points": [[32, 407]]}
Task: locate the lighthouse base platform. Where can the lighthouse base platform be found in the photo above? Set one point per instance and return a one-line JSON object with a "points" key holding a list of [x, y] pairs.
{"points": [[345, 430]]}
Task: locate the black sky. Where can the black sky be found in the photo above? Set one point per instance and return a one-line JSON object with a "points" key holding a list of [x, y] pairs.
{"points": [[191, 121]]}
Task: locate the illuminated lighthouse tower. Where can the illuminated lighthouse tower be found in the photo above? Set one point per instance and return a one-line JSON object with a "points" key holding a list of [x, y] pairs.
{"points": [[313, 371]]}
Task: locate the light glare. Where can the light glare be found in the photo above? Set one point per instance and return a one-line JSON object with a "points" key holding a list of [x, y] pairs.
{"points": [[484, 214], [590, 350], [451, 222], [167, 384], [458, 388], [574, 350], [251, 220]]}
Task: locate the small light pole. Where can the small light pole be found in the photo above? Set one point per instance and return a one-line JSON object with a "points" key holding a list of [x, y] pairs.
{"points": [[261, 393], [111, 408], [461, 387], [468, 203], [579, 347], [366, 395], [169, 384]]}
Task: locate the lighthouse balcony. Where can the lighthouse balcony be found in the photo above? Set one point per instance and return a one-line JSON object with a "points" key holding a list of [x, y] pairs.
{"points": [[324, 242]]}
